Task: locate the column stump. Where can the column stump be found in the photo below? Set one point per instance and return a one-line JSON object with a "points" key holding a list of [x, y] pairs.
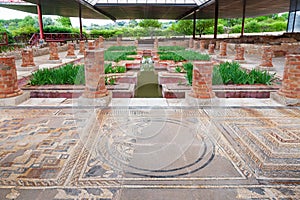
{"points": [[95, 93], [71, 51], [53, 50], [289, 94], [10, 93], [202, 93], [266, 59], [27, 61]]}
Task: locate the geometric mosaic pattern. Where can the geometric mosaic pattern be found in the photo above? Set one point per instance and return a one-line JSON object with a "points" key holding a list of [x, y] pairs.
{"points": [[251, 153]]}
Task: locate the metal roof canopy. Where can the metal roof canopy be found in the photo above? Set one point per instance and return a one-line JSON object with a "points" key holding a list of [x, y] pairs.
{"points": [[227, 9], [234, 9]]}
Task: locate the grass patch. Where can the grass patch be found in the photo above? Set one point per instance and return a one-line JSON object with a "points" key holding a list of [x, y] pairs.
{"points": [[122, 48], [183, 55], [69, 74], [117, 56], [231, 73], [170, 48]]}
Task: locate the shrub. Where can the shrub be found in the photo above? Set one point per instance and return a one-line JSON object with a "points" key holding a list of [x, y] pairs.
{"points": [[192, 55], [188, 67], [57, 29], [117, 69], [117, 56], [170, 56], [68, 74]]}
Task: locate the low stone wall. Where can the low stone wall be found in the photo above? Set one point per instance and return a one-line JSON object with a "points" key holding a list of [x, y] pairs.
{"points": [[278, 50], [36, 52]]}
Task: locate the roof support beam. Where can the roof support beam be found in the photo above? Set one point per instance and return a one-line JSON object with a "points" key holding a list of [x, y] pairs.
{"points": [[80, 20], [194, 25], [216, 18], [98, 10], [40, 18], [197, 8], [243, 19]]}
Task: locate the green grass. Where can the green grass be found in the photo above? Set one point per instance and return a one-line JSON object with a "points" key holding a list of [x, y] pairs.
{"points": [[170, 48], [183, 55], [232, 73], [69, 74], [122, 48], [117, 56], [192, 55]]}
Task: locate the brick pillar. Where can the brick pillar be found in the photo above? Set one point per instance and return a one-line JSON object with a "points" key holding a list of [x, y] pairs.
{"points": [[223, 49], [217, 45], [191, 43], [202, 45], [291, 78], [8, 78], [195, 44], [155, 43], [91, 46], [101, 42], [53, 51], [136, 43], [202, 80], [94, 74], [97, 44], [211, 49], [267, 57], [71, 51], [240, 52], [27, 58], [119, 43], [81, 47]]}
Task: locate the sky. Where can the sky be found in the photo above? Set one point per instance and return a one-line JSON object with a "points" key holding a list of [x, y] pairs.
{"points": [[6, 13]]}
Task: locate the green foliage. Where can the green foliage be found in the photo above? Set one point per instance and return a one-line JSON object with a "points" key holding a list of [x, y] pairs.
{"points": [[116, 56], [147, 23], [108, 69], [69, 74], [105, 33], [182, 55], [179, 69], [110, 80], [170, 56], [57, 29], [188, 67], [231, 73], [64, 21], [122, 48], [192, 55], [170, 48]]}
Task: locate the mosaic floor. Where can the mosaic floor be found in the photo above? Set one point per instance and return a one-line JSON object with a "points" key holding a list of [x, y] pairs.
{"points": [[160, 153]]}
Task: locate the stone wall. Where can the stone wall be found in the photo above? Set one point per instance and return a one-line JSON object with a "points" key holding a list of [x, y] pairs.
{"points": [[36, 52]]}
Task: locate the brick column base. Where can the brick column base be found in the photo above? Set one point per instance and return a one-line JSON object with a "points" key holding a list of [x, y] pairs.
{"points": [[223, 49], [8, 78], [289, 94], [95, 92], [71, 51], [54, 57], [81, 47], [27, 61], [240, 52], [266, 59], [101, 42], [211, 49], [202, 93]]}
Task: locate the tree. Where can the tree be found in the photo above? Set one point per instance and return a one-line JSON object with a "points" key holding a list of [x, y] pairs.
{"points": [[203, 25], [150, 23], [64, 21], [184, 27], [133, 23]]}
